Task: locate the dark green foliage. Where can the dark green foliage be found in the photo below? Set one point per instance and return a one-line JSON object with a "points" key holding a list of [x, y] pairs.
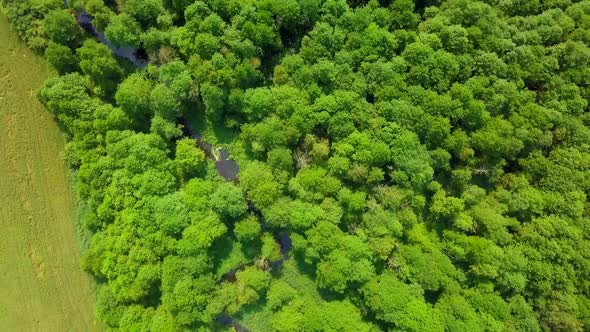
{"points": [[27, 18], [123, 30], [61, 58], [61, 26]]}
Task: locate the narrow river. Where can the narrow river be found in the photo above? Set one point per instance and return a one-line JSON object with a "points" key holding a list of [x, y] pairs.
{"points": [[226, 167]]}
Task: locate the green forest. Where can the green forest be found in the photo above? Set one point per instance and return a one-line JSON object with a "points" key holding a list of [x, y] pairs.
{"points": [[403, 165]]}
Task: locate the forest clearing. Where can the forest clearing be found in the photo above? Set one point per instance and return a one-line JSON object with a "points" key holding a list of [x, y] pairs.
{"points": [[42, 287]]}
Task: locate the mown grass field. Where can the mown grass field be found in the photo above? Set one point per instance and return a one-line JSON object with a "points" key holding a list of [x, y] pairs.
{"points": [[41, 285]]}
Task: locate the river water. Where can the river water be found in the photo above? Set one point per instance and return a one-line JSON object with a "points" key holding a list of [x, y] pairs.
{"points": [[129, 53], [226, 168]]}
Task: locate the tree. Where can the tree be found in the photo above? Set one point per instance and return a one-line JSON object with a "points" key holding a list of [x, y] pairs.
{"points": [[247, 229], [133, 96], [279, 294], [412, 160], [189, 159], [206, 45], [61, 58], [109, 118], [487, 140], [107, 307], [166, 129], [228, 200], [340, 315], [267, 135], [144, 11], [293, 214], [280, 159], [164, 103], [343, 260], [67, 97], [137, 317], [171, 214], [182, 303], [258, 103], [271, 250], [383, 228], [252, 283], [176, 76], [314, 184], [155, 39], [399, 304], [123, 30], [61, 26], [259, 184], [199, 236], [97, 62]]}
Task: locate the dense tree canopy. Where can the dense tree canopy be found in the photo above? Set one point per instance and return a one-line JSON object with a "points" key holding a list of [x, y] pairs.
{"points": [[404, 166]]}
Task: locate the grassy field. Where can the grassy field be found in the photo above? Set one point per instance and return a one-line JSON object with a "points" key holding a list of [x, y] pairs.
{"points": [[41, 285]]}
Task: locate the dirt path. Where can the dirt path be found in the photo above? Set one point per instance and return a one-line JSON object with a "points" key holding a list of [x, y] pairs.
{"points": [[41, 285]]}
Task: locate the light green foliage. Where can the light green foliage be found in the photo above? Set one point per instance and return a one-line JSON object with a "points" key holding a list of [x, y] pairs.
{"points": [[270, 250], [171, 214], [247, 229], [181, 276], [342, 259], [203, 230], [280, 293], [165, 128], [294, 214], [254, 280], [189, 159], [280, 159], [259, 184], [400, 304], [154, 39], [314, 184], [109, 118], [67, 98], [97, 62], [382, 228], [428, 160], [250, 285], [27, 19], [270, 134]]}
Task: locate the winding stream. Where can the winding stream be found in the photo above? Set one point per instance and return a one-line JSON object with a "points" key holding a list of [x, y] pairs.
{"points": [[226, 167], [134, 55]]}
